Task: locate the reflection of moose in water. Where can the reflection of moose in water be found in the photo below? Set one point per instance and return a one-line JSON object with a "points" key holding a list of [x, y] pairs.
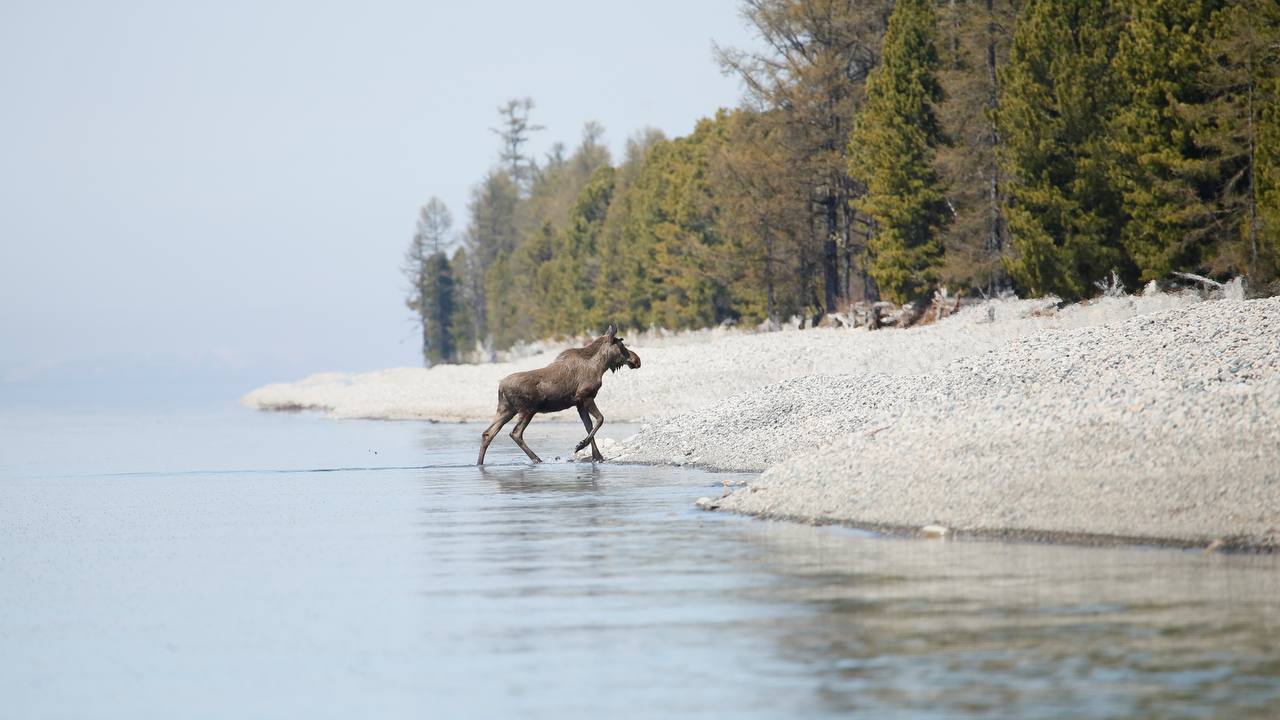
{"points": [[572, 380]]}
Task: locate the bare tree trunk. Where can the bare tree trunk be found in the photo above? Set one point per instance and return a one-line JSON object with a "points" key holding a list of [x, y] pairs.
{"points": [[955, 32], [768, 278], [995, 217], [426, 343], [846, 237], [830, 269], [1253, 181]]}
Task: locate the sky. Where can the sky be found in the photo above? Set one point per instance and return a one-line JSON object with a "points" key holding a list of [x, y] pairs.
{"points": [[220, 193]]}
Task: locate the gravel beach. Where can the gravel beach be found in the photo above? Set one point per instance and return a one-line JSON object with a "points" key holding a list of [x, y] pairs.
{"points": [[1152, 418], [1163, 429]]}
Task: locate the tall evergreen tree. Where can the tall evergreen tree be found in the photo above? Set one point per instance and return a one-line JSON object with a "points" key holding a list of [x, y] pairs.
{"points": [[660, 240], [431, 296], [1266, 273], [462, 323], [620, 293], [514, 131], [1168, 179], [572, 272], [542, 219], [1238, 129], [439, 296], [491, 232], [1058, 92], [764, 218], [891, 150], [810, 77], [974, 47], [674, 235], [501, 301]]}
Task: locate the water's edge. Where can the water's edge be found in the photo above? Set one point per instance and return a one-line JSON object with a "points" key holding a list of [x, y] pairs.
{"points": [[1241, 544], [1233, 545]]}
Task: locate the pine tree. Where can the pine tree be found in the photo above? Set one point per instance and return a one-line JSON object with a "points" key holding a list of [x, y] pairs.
{"points": [[542, 219], [1238, 127], [574, 267], [439, 301], [1167, 178], [620, 294], [891, 150], [974, 47], [672, 236], [764, 218], [1267, 269], [491, 232], [431, 296], [462, 327], [1057, 93], [810, 79], [500, 304], [515, 131]]}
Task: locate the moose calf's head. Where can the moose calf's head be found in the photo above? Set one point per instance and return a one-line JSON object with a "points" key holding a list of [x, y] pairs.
{"points": [[615, 353]]}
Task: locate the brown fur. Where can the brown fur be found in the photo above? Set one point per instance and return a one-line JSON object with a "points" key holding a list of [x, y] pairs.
{"points": [[571, 380]]}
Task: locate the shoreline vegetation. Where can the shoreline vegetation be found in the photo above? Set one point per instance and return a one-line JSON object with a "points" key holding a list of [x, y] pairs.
{"points": [[882, 151], [1148, 419]]}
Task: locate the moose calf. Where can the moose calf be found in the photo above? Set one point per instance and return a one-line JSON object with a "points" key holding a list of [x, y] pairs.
{"points": [[571, 380]]}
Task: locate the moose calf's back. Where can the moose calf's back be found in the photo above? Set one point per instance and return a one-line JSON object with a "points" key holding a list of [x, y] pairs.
{"points": [[550, 389]]}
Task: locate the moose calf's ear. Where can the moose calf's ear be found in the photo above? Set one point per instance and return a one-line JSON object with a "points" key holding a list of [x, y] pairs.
{"points": [[613, 330]]}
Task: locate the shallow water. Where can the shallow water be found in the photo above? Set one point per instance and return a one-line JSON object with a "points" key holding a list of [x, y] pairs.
{"points": [[242, 564]]}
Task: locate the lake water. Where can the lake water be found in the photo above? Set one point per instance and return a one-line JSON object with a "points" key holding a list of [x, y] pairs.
{"points": [[239, 564]]}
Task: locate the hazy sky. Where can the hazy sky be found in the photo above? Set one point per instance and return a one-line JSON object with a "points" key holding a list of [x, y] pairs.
{"points": [[226, 188]]}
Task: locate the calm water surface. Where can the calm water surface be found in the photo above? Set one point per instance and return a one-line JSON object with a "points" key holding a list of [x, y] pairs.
{"points": [[250, 565]]}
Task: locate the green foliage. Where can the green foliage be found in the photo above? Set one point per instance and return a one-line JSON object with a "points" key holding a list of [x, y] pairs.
{"points": [[619, 293], [492, 233], [668, 245], [885, 148], [808, 83], [438, 294], [462, 321], [432, 296], [974, 46], [567, 280], [891, 150], [1058, 89], [1237, 127], [1167, 178], [1268, 182], [764, 218]]}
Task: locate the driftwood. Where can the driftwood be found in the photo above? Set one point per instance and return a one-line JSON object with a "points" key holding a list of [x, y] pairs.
{"points": [[874, 316], [1200, 279]]}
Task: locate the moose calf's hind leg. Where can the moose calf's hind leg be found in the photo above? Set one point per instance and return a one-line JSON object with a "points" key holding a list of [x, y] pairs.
{"points": [[517, 434], [502, 418]]}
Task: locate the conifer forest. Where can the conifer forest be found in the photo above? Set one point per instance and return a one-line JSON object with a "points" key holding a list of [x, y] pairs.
{"points": [[884, 151]]}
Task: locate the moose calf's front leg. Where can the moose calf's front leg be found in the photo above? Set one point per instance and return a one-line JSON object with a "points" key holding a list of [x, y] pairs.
{"points": [[586, 423], [590, 405]]}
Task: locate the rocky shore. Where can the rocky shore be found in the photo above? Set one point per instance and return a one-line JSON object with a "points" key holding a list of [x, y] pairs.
{"points": [[1152, 418], [1161, 429]]}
